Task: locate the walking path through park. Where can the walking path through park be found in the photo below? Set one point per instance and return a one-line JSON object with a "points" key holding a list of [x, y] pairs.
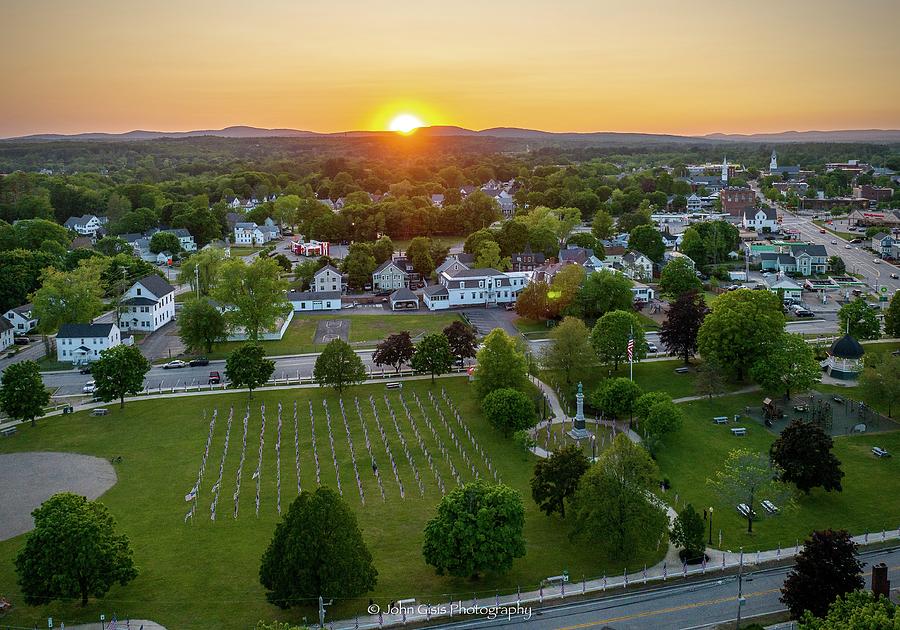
{"points": [[128, 624]]}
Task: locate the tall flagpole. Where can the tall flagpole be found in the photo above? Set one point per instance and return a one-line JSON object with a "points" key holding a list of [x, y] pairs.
{"points": [[631, 354]]}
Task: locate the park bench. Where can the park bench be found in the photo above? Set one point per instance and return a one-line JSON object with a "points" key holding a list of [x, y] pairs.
{"points": [[838, 400], [557, 579], [682, 370], [8, 431], [739, 431], [879, 452], [745, 511], [721, 419], [100, 412], [770, 507], [394, 385]]}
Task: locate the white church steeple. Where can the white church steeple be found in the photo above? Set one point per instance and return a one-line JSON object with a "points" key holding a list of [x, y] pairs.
{"points": [[725, 170], [773, 163]]}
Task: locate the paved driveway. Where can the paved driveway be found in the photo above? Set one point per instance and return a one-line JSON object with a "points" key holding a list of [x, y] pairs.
{"points": [[487, 319]]}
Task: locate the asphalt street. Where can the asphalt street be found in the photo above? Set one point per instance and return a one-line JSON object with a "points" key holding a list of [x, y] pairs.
{"points": [[689, 606]]}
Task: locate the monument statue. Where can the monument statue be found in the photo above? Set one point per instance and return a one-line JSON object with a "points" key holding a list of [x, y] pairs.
{"points": [[579, 431]]}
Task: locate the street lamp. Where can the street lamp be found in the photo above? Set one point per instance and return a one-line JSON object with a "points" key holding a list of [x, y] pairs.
{"points": [[710, 525]]}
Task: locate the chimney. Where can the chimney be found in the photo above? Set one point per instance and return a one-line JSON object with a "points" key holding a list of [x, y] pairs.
{"points": [[880, 583]]}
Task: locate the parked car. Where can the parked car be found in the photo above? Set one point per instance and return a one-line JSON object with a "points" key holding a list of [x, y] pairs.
{"points": [[833, 242], [86, 369], [199, 361], [802, 312], [877, 261], [822, 231], [174, 365], [215, 378], [847, 247], [894, 276], [21, 341], [89, 387]]}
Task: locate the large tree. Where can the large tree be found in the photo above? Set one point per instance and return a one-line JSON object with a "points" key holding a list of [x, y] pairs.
{"points": [[533, 302], [200, 325], [687, 532], [678, 277], [508, 410], [856, 610], [611, 336], [204, 267], [119, 371], [165, 242], [556, 478], [478, 528], [253, 295], [803, 454], [789, 365], [564, 288], [359, 265], [433, 356], [317, 550], [22, 392], [616, 397], [570, 350], [826, 568], [678, 332], [462, 340], [500, 364], [647, 240], [22, 271], [248, 367], [602, 292], [860, 319], [394, 350], [663, 417], [338, 366], [749, 477], [612, 507], [709, 381], [739, 329], [73, 551], [73, 297], [892, 317], [602, 225], [879, 382]]}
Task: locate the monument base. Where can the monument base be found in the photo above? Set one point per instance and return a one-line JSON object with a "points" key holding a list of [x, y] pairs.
{"points": [[579, 434]]}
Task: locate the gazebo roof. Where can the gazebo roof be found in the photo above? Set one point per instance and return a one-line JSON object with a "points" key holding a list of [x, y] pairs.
{"points": [[847, 348]]}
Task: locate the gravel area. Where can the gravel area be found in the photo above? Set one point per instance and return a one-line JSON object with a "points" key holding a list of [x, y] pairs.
{"points": [[29, 479]]}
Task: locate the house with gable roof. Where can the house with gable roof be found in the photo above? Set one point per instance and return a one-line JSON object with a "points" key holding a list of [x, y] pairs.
{"points": [[148, 305]]}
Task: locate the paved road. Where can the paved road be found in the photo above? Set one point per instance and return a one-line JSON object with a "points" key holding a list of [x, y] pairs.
{"points": [[684, 607]]}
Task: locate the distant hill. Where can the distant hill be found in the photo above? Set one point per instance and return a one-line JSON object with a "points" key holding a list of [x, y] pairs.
{"points": [[603, 137]]}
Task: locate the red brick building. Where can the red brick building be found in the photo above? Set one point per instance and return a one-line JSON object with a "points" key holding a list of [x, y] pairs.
{"points": [[873, 193], [736, 200]]}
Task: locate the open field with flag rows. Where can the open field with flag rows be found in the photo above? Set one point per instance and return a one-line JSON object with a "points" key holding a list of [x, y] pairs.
{"points": [[196, 572]]}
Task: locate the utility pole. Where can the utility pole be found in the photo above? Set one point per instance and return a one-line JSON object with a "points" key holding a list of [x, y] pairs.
{"points": [[737, 624], [322, 605], [197, 279]]}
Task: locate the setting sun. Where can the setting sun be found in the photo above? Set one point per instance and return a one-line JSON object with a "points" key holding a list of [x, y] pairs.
{"points": [[404, 123]]}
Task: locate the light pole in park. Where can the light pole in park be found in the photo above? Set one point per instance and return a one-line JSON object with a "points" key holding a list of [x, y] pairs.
{"points": [[710, 525]]}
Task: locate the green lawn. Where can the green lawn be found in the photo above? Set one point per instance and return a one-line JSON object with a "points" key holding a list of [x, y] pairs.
{"points": [[844, 235], [204, 574], [365, 331], [534, 329], [647, 322], [48, 363], [243, 251], [693, 454]]}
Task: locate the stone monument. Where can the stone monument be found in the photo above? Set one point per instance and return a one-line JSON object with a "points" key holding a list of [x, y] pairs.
{"points": [[579, 432]]}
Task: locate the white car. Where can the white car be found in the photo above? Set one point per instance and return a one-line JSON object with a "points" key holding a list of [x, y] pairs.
{"points": [[877, 261], [89, 387], [651, 347], [847, 247], [833, 242], [174, 365]]}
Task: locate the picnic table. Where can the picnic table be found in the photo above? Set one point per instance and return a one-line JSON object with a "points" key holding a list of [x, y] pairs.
{"points": [[8, 431], [101, 411], [739, 431], [721, 419], [745, 511], [770, 507], [880, 452]]}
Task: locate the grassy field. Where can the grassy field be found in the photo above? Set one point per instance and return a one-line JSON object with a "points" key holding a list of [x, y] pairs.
{"points": [[692, 455], [365, 331], [558, 437], [204, 574], [243, 251], [533, 329], [848, 236]]}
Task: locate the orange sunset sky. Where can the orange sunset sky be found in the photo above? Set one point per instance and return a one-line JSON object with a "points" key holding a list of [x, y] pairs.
{"points": [[689, 67]]}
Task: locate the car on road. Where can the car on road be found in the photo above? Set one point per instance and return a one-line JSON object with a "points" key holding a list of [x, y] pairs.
{"points": [[21, 341], [847, 247], [89, 387], [651, 347], [877, 261], [86, 369], [856, 241], [833, 242], [895, 276], [199, 361], [822, 231], [802, 312], [215, 378], [174, 365]]}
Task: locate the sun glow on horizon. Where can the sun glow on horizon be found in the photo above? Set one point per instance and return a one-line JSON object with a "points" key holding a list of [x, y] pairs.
{"points": [[405, 123]]}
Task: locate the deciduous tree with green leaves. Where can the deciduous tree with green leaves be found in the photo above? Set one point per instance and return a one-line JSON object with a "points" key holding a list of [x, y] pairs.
{"points": [[73, 297], [739, 329], [204, 265], [500, 364], [119, 371], [338, 366], [788, 365], [570, 351], [892, 317], [863, 320], [602, 225], [433, 356], [508, 410], [248, 367], [22, 392], [647, 240], [602, 292], [317, 550], [879, 382], [394, 350], [678, 277], [612, 507], [72, 552], [803, 454], [611, 334], [478, 528], [200, 325], [749, 477], [556, 478], [616, 397], [855, 610], [164, 242], [254, 295], [687, 533]]}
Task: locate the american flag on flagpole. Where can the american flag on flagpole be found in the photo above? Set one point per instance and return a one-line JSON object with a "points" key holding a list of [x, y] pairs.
{"points": [[630, 348]]}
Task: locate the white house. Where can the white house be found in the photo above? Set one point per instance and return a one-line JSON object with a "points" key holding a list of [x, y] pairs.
{"points": [[390, 276], [87, 225], [315, 300], [637, 266], [252, 234], [22, 318], [148, 305], [455, 262], [641, 292], [760, 219], [83, 343], [694, 204], [184, 239], [475, 287], [326, 279], [6, 334]]}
